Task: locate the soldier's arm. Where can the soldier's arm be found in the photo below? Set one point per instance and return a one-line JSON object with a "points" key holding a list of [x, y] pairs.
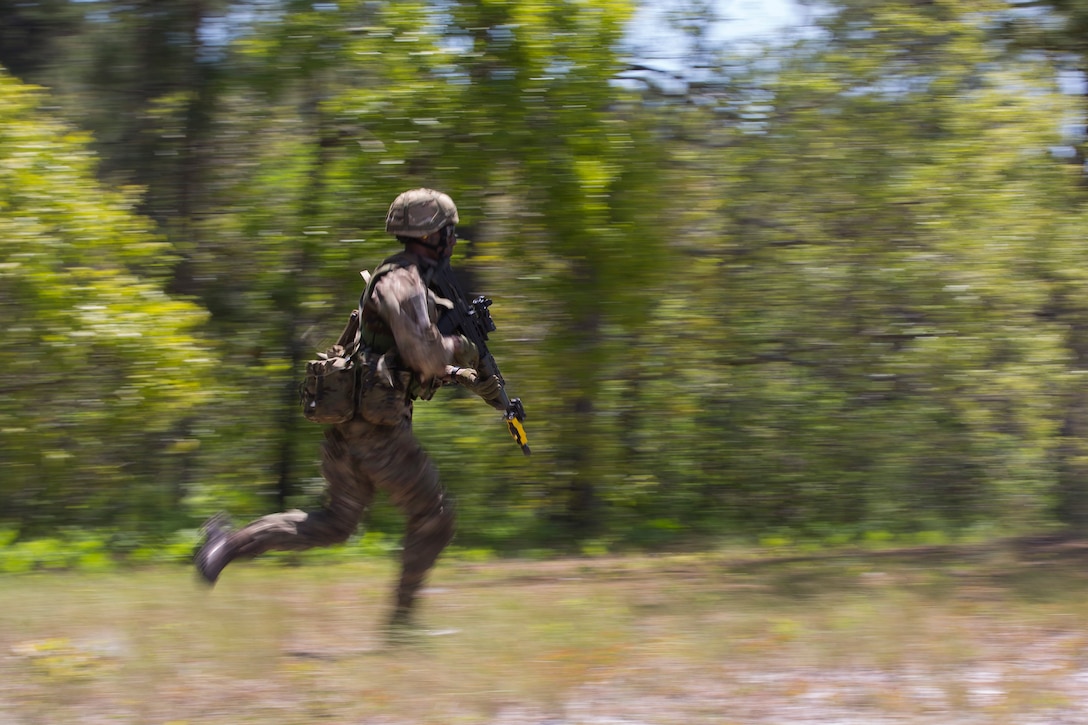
{"points": [[401, 299]]}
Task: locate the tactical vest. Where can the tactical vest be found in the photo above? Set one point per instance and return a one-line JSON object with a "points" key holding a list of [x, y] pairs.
{"points": [[376, 335]]}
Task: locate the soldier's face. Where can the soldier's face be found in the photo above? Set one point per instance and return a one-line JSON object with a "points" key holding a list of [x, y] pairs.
{"points": [[451, 242]]}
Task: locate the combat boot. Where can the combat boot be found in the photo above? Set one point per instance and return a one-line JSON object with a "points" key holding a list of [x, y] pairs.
{"points": [[216, 551]]}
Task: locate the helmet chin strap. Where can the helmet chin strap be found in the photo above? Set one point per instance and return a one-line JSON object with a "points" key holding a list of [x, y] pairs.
{"points": [[446, 236]]}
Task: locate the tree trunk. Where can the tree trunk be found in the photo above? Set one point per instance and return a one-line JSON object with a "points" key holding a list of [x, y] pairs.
{"points": [[290, 310], [1072, 450]]}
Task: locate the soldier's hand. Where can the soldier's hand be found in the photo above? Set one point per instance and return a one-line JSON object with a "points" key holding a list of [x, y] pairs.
{"points": [[462, 376], [467, 355], [486, 388]]}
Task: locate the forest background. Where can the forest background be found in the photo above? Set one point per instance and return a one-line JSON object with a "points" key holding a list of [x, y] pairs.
{"points": [[829, 288]]}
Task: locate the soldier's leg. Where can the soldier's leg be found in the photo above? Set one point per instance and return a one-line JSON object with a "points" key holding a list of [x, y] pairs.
{"points": [[348, 494], [407, 473]]}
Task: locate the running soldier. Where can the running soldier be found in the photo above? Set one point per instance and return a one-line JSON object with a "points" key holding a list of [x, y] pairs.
{"points": [[404, 357]]}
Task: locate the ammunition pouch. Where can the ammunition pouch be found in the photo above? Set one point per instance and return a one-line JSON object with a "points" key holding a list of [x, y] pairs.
{"points": [[383, 394], [329, 390]]}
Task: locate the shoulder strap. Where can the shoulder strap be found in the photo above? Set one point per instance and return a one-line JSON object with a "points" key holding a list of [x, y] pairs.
{"points": [[372, 279], [352, 334], [369, 336], [397, 261]]}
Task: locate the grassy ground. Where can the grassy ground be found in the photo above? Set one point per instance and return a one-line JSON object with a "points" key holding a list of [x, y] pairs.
{"points": [[994, 634]]}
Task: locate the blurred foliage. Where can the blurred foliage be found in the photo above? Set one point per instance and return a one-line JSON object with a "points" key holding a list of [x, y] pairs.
{"points": [[826, 288], [103, 372]]}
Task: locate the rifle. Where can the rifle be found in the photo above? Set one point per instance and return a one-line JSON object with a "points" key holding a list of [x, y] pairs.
{"points": [[472, 318]]}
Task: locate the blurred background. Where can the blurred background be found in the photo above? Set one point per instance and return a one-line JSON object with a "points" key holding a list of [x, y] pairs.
{"points": [[791, 271]]}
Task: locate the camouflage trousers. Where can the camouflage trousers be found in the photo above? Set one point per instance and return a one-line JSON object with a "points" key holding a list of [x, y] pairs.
{"points": [[358, 458]]}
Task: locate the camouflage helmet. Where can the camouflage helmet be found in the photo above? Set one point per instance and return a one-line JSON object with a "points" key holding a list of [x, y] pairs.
{"points": [[419, 213]]}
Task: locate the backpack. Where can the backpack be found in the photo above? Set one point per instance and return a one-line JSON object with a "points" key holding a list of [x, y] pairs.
{"points": [[328, 392]]}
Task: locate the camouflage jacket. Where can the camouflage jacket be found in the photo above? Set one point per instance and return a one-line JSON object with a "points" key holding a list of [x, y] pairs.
{"points": [[399, 322]]}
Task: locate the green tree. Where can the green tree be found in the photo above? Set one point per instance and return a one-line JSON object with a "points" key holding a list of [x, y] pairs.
{"points": [[1056, 28], [835, 284], [103, 372], [32, 33], [880, 208]]}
